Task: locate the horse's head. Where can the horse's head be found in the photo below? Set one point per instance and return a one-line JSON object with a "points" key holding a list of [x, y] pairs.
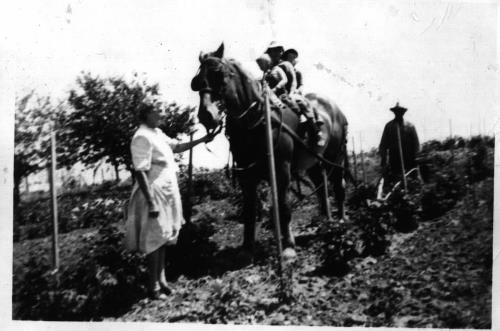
{"points": [[223, 87], [211, 81]]}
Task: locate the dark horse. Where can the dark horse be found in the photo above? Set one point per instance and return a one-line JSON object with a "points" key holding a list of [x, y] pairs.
{"points": [[226, 90]]}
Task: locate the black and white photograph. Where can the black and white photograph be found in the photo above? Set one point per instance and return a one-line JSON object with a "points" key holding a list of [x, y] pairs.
{"points": [[253, 163]]}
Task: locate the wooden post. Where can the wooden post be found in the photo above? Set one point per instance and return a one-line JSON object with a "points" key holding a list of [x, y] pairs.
{"points": [[299, 187], [189, 211], [53, 195], [325, 192], [355, 161], [451, 129], [400, 147], [363, 170], [272, 181]]}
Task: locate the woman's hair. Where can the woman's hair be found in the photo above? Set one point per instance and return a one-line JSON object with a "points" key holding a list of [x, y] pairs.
{"points": [[143, 111]]}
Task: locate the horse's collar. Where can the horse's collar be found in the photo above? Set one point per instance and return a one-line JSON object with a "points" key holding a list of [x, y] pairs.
{"points": [[245, 112]]}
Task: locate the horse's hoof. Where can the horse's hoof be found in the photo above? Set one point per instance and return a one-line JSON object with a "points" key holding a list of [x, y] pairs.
{"points": [[289, 254]]}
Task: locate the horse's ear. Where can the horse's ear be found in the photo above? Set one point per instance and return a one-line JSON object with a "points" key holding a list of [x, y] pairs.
{"points": [[220, 51], [201, 56]]}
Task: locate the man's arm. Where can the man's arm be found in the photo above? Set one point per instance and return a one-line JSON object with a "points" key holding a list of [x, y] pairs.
{"points": [[300, 82], [382, 149], [281, 78]]}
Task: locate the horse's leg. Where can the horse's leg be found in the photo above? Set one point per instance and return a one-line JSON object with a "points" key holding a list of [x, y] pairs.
{"points": [[337, 178], [249, 189], [316, 175], [283, 178]]}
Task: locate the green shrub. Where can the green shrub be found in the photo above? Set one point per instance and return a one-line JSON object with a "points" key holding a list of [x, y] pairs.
{"points": [[104, 281], [442, 194], [339, 246], [207, 184], [76, 210]]}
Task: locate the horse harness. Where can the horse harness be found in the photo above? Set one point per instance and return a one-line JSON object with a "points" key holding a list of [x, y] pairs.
{"points": [[278, 108], [259, 105]]}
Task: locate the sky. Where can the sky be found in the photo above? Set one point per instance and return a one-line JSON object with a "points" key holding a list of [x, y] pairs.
{"points": [[438, 59]]}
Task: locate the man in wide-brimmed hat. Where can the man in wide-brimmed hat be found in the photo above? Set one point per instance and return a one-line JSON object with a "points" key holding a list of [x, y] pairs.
{"points": [[286, 87], [275, 51], [410, 144]]}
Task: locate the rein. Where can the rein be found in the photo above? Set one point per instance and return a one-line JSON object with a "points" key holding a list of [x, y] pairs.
{"points": [[229, 69]]}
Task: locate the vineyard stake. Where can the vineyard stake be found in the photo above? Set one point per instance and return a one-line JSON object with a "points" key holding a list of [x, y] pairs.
{"points": [[189, 211], [53, 196], [272, 181], [325, 191], [362, 159], [400, 147], [355, 161]]}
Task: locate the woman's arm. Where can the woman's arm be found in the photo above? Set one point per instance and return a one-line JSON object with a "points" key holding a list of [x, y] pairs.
{"points": [[182, 147], [142, 180]]}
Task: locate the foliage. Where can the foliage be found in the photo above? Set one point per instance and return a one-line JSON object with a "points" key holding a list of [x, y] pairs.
{"points": [[406, 208], [374, 220], [76, 210], [440, 276], [35, 118], [94, 205], [444, 184], [478, 166], [457, 142], [194, 249], [103, 119], [103, 281], [207, 184], [339, 247]]}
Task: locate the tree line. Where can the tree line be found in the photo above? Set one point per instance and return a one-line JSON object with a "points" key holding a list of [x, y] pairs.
{"points": [[93, 124]]}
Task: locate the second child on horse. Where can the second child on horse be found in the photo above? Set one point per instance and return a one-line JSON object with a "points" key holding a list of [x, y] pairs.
{"points": [[286, 86]]}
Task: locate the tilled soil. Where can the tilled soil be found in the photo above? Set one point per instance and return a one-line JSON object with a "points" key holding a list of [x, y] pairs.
{"points": [[436, 276]]}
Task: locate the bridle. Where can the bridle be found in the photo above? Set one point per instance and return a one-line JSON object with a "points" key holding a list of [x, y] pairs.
{"points": [[224, 66], [227, 69]]}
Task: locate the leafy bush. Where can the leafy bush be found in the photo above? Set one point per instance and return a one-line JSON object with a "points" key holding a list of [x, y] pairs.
{"points": [[194, 251], [442, 194], [82, 209], [478, 165], [207, 184], [102, 203], [105, 280], [374, 220], [405, 208], [339, 246]]}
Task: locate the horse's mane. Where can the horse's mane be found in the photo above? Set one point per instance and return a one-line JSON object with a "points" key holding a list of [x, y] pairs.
{"points": [[252, 87]]}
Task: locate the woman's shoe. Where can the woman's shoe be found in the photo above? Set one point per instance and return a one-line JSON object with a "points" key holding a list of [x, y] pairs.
{"points": [[165, 289], [157, 294]]}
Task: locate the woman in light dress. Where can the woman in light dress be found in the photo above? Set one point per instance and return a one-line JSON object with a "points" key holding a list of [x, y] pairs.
{"points": [[154, 213]]}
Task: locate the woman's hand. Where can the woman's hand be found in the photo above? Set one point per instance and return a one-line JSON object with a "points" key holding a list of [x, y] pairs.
{"points": [[209, 137], [153, 209]]}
